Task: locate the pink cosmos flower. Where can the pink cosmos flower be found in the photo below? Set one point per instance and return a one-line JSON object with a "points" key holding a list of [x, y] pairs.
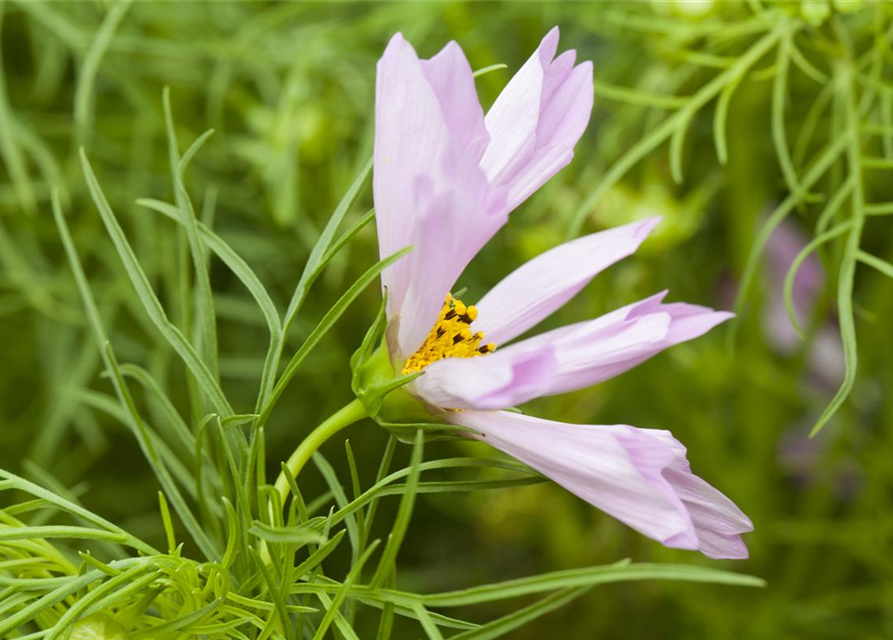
{"points": [[445, 179]]}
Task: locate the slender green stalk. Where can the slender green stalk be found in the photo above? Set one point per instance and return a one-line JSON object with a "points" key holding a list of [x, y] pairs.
{"points": [[847, 273], [344, 417]]}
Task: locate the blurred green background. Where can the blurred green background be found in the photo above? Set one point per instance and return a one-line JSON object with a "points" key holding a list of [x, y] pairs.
{"points": [[289, 90]]}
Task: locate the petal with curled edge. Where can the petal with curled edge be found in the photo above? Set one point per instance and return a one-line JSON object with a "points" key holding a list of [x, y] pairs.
{"points": [[639, 476]]}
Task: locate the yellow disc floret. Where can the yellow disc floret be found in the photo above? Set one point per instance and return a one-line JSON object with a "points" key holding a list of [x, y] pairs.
{"points": [[451, 337]]}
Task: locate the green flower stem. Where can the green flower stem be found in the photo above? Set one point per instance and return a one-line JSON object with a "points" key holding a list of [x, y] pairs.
{"points": [[344, 417], [347, 415]]}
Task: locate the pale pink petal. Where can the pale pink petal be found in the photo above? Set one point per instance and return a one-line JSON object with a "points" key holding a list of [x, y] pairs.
{"points": [[537, 120], [538, 288], [429, 190], [513, 118], [542, 165], [562, 122], [452, 80], [565, 113], [592, 351], [615, 468], [718, 520], [494, 381], [458, 216], [639, 476], [432, 274], [409, 131], [556, 72]]}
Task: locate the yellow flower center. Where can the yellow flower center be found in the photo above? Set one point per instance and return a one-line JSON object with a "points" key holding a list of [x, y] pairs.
{"points": [[451, 337]]}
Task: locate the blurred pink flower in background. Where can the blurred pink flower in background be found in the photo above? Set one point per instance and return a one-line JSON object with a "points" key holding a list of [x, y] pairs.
{"points": [[446, 178], [825, 361], [808, 462], [802, 458]]}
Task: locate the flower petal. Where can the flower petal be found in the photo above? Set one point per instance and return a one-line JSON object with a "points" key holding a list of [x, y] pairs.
{"points": [[537, 120], [409, 131], [566, 107], [513, 118], [536, 289], [429, 190], [452, 80], [459, 215], [639, 476], [593, 351], [495, 381], [718, 520], [562, 122]]}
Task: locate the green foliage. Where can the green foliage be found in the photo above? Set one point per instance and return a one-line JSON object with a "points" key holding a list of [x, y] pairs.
{"points": [[153, 385]]}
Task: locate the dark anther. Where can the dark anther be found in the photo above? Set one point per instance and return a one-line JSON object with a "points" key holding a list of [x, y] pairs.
{"points": [[484, 349], [440, 332], [457, 338], [450, 314], [465, 318]]}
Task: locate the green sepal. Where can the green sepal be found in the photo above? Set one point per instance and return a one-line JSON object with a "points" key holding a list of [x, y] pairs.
{"points": [[379, 387], [373, 337], [405, 431]]}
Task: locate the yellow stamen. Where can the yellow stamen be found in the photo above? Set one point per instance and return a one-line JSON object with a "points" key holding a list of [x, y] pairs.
{"points": [[450, 337]]}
